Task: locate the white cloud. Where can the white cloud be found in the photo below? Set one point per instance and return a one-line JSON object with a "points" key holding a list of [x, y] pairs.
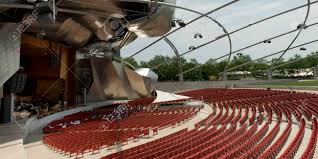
{"points": [[233, 17]]}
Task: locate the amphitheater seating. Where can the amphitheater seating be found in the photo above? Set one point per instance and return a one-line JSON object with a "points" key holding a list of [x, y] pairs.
{"points": [[95, 133], [244, 123], [310, 150]]}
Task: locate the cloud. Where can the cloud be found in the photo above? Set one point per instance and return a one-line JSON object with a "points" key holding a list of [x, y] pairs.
{"points": [[233, 17]]}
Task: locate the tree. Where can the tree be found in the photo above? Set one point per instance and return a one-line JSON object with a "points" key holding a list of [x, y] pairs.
{"points": [[239, 60], [311, 60], [132, 61], [258, 67], [195, 74]]}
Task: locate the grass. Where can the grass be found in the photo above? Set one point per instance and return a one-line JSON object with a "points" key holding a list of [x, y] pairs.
{"points": [[299, 83]]}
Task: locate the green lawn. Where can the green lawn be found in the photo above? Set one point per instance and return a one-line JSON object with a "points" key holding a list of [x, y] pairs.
{"points": [[299, 83]]}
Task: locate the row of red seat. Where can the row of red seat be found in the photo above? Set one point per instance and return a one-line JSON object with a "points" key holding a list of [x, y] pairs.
{"points": [[96, 134], [294, 145], [275, 148], [310, 150], [255, 151], [230, 131], [244, 147]]}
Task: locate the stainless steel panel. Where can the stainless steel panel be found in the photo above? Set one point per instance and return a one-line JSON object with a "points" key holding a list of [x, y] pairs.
{"points": [[152, 77], [10, 42], [107, 7], [120, 69], [146, 72], [106, 79], [137, 82], [112, 80], [73, 33], [158, 24]]}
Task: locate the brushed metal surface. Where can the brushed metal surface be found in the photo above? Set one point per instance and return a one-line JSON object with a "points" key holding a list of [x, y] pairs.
{"points": [[150, 78], [107, 7], [158, 24], [113, 80], [10, 42], [101, 28], [137, 82], [146, 72], [131, 93], [106, 79], [68, 31], [73, 33]]}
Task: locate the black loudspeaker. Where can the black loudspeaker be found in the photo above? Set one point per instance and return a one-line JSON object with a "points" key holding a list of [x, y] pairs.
{"points": [[5, 110], [16, 83]]}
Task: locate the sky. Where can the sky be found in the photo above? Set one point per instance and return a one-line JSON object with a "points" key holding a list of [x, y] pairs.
{"points": [[233, 17]]}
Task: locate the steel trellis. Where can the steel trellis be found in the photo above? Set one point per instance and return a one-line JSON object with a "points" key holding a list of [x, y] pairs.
{"points": [[245, 27], [299, 32], [190, 10], [175, 50], [272, 55], [250, 46], [212, 11]]}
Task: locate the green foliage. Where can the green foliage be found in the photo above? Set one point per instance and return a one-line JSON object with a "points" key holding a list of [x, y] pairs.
{"points": [[169, 67]]}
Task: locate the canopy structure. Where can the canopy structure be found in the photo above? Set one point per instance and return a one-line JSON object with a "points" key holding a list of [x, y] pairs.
{"points": [[165, 97]]}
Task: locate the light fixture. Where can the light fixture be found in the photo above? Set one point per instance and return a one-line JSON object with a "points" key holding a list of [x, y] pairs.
{"points": [[180, 22], [198, 35], [192, 48]]}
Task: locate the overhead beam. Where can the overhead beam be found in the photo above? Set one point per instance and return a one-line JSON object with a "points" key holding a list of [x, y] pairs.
{"points": [[202, 15], [276, 53], [173, 47], [300, 30], [249, 46], [289, 62], [242, 28]]}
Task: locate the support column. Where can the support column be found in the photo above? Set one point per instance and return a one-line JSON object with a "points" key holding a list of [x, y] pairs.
{"points": [[180, 69], [176, 52], [225, 76], [12, 99], [269, 74], [71, 79], [181, 77], [68, 60], [315, 69], [85, 96]]}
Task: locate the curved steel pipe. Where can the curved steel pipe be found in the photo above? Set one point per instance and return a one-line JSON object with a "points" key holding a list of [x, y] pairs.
{"points": [[233, 68], [300, 30], [193, 11], [243, 28], [178, 58], [202, 15], [250, 25], [250, 46]]}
